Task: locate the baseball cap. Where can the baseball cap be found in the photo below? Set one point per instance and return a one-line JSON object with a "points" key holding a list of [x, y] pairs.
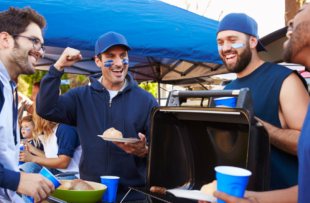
{"points": [[242, 23], [108, 40]]}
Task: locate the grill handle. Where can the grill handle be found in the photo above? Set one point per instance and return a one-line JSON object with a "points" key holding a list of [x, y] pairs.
{"points": [[244, 98]]}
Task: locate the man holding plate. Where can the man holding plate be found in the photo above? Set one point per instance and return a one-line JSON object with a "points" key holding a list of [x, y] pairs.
{"points": [[115, 101]]}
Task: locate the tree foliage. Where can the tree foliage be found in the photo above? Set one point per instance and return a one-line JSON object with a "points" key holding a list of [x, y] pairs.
{"points": [[150, 87], [29, 79]]}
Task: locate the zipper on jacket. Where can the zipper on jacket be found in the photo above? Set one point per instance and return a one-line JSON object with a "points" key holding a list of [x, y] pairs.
{"points": [[110, 102]]}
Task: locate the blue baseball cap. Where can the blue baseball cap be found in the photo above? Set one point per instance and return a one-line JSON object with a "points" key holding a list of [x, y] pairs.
{"points": [[108, 40], [242, 23]]}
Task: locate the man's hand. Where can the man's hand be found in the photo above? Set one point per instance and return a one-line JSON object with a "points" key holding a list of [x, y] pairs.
{"points": [[269, 128], [284, 139], [69, 57], [35, 185], [231, 199], [138, 149], [25, 156]]}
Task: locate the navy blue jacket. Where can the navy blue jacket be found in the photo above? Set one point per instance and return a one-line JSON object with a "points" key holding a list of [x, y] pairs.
{"points": [[88, 108], [8, 179]]}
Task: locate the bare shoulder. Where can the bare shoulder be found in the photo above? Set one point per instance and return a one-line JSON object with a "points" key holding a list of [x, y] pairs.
{"points": [[294, 100]]}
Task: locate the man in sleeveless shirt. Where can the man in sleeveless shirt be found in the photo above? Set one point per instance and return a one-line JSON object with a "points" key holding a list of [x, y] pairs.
{"points": [[296, 50], [279, 95]]}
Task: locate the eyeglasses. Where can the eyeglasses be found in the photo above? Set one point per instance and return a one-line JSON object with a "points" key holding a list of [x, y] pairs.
{"points": [[36, 43]]}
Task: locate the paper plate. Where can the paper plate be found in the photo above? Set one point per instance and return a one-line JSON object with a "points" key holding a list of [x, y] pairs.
{"points": [[193, 194], [129, 140]]}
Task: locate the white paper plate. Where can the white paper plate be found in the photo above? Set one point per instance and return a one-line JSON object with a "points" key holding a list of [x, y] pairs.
{"points": [[193, 194], [129, 140]]}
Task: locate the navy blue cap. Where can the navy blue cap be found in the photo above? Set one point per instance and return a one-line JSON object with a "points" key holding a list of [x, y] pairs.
{"points": [[242, 23], [108, 40]]}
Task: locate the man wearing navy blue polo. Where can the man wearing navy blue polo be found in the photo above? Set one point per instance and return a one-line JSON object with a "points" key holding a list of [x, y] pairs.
{"points": [[114, 100], [279, 95]]}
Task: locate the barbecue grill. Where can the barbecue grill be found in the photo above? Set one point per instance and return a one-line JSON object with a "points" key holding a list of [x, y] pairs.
{"points": [[186, 143]]}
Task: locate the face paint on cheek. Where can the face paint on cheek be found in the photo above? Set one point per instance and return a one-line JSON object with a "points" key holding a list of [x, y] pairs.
{"points": [[235, 46], [27, 130], [108, 63], [126, 62]]}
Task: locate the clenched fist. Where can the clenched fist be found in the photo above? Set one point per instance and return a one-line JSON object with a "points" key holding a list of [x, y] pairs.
{"points": [[69, 57]]}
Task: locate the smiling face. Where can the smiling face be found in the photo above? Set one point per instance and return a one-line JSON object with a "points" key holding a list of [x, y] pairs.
{"points": [[299, 33], [27, 129], [235, 59], [114, 66], [23, 53]]}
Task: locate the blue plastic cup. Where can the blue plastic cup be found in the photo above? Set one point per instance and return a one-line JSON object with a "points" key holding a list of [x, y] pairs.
{"points": [[22, 149], [111, 182], [226, 101], [47, 174], [232, 180]]}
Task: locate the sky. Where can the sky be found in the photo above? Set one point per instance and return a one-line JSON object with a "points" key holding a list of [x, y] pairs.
{"points": [[269, 14]]}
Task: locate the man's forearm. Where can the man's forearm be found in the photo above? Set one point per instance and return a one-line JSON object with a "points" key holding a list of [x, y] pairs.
{"points": [[289, 195], [285, 139]]}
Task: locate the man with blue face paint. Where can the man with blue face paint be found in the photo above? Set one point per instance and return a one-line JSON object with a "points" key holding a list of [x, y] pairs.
{"points": [[279, 95], [113, 100]]}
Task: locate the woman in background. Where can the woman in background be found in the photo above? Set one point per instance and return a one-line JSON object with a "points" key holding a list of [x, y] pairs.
{"points": [[62, 149]]}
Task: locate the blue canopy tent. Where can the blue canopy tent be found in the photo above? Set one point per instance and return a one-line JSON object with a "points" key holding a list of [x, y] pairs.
{"points": [[169, 44]]}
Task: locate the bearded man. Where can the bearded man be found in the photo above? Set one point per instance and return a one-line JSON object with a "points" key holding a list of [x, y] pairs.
{"points": [[280, 95], [21, 44]]}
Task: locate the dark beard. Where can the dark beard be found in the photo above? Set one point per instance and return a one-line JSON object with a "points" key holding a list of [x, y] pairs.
{"points": [[243, 60], [299, 39], [20, 58]]}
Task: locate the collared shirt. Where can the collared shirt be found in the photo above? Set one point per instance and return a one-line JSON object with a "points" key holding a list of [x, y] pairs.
{"points": [[9, 145]]}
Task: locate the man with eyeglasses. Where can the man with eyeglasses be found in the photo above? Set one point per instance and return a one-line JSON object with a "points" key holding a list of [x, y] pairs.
{"points": [[21, 44]]}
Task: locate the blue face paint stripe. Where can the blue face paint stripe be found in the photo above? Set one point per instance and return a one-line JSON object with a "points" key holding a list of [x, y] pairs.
{"points": [[27, 130], [235, 46], [108, 63], [125, 61]]}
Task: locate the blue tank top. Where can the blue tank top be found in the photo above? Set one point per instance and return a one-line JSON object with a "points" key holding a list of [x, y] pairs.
{"points": [[265, 85]]}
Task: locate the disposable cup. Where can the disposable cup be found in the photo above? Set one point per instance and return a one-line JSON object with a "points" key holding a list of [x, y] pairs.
{"points": [[226, 101], [22, 149], [47, 174], [232, 180], [111, 182]]}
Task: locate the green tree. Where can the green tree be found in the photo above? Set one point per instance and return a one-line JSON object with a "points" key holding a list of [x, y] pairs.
{"points": [[29, 79], [150, 87]]}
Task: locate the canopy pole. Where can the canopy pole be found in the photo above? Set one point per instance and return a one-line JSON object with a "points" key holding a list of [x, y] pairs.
{"points": [[158, 92]]}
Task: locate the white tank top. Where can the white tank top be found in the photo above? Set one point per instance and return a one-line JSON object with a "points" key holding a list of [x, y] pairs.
{"points": [[51, 151]]}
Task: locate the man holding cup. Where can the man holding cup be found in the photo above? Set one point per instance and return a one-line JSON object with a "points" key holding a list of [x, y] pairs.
{"points": [[296, 50], [21, 44], [280, 96], [115, 101]]}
